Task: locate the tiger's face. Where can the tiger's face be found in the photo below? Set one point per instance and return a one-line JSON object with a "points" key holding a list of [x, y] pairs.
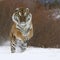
{"points": [[22, 14], [22, 17]]}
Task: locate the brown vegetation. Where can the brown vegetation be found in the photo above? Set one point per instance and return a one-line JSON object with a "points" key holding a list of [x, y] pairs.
{"points": [[46, 30]]}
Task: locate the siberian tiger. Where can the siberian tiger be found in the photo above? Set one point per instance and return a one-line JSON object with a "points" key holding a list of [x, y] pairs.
{"points": [[22, 29]]}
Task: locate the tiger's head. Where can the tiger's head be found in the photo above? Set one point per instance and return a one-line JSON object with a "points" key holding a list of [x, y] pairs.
{"points": [[22, 17], [23, 14]]}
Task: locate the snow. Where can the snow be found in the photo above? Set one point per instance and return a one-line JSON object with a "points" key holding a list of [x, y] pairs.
{"points": [[56, 13], [31, 53], [58, 16]]}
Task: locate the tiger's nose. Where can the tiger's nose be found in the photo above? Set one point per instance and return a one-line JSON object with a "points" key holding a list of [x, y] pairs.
{"points": [[23, 24]]}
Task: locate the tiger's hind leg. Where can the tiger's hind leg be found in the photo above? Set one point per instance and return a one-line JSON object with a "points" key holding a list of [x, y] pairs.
{"points": [[13, 44]]}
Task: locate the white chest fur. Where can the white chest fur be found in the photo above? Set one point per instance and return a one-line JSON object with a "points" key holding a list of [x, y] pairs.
{"points": [[24, 28]]}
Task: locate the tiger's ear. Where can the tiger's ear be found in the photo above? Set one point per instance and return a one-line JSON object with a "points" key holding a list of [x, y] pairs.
{"points": [[27, 10], [17, 9]]}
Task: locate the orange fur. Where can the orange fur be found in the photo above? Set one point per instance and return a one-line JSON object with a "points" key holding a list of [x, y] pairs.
{"points": [[16, 34]]}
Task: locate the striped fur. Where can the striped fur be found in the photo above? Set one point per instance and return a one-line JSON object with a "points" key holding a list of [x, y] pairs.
{"points": [[20, 33]]}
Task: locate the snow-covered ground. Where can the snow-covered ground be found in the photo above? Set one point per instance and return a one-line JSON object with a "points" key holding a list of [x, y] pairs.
{"points": [[31, 53]]}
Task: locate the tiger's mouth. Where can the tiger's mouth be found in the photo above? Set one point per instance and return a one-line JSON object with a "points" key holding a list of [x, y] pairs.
{"points": [[23, 24]]}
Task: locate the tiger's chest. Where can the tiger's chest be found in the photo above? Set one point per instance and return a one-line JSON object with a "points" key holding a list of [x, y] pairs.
{"points": [[24, 28]]}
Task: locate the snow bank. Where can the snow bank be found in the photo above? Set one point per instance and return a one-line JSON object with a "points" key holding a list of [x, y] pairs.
{"points": [[32, 53]]}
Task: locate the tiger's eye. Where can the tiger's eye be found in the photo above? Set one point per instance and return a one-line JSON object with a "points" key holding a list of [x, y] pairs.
{"points": [[28, 18], [19, 13]]}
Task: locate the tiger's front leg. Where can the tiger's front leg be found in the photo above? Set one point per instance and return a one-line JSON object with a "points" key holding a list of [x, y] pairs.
{"points": [[23, 46]]}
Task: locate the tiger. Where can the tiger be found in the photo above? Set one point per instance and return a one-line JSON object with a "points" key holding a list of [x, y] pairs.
{"points": [[22, 29]]}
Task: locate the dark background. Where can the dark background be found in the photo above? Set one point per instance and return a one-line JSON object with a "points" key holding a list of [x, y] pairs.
{"points": [[46, 29]]}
